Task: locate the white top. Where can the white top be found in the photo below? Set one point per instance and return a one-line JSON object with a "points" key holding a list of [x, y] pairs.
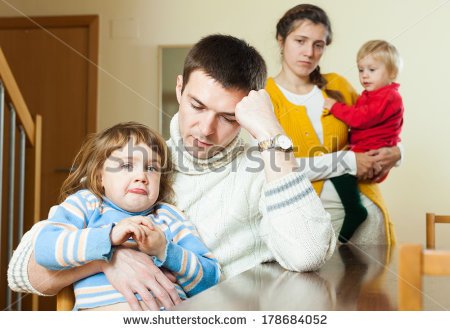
{"points": [[312, 101]]}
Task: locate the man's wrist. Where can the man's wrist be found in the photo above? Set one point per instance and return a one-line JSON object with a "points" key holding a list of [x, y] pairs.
{"points": [[267, 134], [97, 266]]}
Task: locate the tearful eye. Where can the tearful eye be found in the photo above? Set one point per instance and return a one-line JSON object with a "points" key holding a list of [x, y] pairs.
{"points": [[127, 166], [151, 168]]}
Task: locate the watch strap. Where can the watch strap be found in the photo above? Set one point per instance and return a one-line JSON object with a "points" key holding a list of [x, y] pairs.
{"points": [[271, 144]]}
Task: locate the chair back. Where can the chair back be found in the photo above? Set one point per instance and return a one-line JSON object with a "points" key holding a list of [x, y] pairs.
{"points": [[65, 299], [414, 263], [432, 219]]}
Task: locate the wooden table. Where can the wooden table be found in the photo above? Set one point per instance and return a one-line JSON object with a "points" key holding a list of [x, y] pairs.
{"points": [[355, 278]]}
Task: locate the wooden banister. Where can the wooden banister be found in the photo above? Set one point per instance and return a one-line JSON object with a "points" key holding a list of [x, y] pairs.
{"points": [[17, 100], [30, 132], [37, 168]]}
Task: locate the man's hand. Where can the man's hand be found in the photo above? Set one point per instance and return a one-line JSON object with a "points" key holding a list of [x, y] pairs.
{"points": [[255, 114], [133, 272]]}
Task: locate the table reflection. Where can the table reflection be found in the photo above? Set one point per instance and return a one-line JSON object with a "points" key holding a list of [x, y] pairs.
{"points": [[355, 278], [358, 275]]}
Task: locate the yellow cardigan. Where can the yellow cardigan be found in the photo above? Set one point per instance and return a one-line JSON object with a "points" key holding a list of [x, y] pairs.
{"points": [[295, 121]]}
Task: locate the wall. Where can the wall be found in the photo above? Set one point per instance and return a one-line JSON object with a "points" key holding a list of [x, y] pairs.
{"points": [[128, 71]]}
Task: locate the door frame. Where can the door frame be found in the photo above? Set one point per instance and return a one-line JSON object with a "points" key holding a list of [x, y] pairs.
{"points": [[91, 22]]}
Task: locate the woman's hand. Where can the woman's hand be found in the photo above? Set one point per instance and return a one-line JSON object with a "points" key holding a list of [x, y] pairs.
{"points": [[366, 166], [133, 272], [386, 158], [376, 164]]}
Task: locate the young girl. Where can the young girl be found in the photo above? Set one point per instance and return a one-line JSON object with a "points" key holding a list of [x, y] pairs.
{"points": [[375, 120], [119, 191]]}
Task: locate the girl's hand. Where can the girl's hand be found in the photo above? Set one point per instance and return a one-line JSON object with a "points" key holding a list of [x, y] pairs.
{"points": [[329, 103], [130, 227], [153, 242]]}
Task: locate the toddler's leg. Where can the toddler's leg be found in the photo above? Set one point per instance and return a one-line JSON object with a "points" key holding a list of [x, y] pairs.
{"points": [[355, 213]]}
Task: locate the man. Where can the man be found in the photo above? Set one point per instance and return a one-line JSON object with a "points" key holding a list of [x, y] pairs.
{"points": [[248, 206]]}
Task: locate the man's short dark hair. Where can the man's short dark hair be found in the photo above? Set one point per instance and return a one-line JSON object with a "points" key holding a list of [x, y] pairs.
{"points": [[230, 61]]}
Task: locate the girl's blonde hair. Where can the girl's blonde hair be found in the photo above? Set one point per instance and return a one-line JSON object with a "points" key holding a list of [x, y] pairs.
{"points": [[384, 52], [88, 164]]}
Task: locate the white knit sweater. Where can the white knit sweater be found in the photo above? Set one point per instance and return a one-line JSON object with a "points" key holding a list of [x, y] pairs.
{"points": [[243, 220]]}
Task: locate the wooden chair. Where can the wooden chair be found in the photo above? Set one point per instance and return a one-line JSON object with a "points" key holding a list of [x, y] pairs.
{"points": [[65, 299], [432, 219], [414, 262]]}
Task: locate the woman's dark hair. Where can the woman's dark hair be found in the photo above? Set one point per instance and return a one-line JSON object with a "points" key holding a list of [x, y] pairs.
{"points": [[291, 20]]}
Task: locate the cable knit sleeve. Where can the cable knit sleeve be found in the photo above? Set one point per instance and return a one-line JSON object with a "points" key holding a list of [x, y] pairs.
{"points": [[18, 279], [295, 226]]}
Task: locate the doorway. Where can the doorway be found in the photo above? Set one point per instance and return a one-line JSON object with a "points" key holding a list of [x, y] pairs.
{"points": [[171, 60]]}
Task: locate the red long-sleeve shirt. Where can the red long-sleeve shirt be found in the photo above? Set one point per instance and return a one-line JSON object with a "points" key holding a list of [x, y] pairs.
{"points": [[375, 120]]}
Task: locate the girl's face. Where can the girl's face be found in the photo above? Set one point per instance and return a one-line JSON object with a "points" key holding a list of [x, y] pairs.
{"points": [[130, 177], [303, 48], [373, 73]]}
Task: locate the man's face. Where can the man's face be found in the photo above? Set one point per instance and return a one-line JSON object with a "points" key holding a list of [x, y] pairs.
{"points": [[206, 114]]}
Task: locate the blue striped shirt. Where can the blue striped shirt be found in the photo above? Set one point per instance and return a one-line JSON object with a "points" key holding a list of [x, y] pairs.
{"points": [[78, 231]]}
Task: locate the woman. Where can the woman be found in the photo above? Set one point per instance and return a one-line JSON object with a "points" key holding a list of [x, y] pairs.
{"points": [[298, 93]]}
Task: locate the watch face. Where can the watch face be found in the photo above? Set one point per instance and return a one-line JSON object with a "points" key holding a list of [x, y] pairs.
{"points": [[284, 142]]}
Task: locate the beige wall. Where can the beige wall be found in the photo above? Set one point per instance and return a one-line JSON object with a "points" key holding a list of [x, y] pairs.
{"points": [[128, 75]]}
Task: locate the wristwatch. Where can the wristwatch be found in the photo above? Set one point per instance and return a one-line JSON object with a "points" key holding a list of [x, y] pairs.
{"points": [[279, 142]]}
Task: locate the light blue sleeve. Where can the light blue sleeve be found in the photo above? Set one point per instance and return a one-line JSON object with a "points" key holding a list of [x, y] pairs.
{"points": [[66, 242]]}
